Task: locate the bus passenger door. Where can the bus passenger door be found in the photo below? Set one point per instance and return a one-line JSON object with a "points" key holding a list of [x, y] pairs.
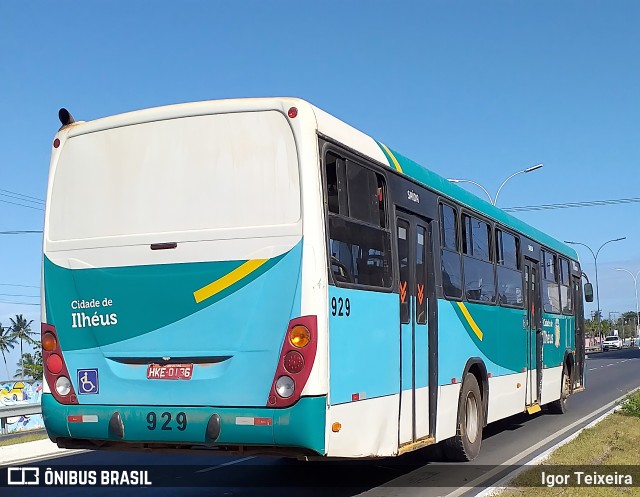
{"points": [[534, 332], [414, 253]]}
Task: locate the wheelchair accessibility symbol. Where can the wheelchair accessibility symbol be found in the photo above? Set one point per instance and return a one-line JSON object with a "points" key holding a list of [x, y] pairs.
{"points": [[87, 381]]}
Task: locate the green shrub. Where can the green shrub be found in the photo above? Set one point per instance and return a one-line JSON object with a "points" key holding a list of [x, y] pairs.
{"points": [[631, 405]]}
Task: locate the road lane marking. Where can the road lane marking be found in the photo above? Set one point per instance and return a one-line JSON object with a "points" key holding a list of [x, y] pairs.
{"points": [[518, 457], [612, 364], [230, 463], [501, 484]]}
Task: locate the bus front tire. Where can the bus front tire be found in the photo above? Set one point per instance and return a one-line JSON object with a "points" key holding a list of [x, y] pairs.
{"points": [[465, 445], [560, 406]]}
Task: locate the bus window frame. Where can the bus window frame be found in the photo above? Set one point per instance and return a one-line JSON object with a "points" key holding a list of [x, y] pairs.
{"points": [[519, 262], [442, 201], [543, 278], [568, 284], [329, 147], [492, 256]]}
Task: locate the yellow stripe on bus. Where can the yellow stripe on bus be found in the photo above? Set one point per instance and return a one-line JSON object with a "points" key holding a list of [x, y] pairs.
{"points": [[470, 320], [227, 280], [393, 157]]}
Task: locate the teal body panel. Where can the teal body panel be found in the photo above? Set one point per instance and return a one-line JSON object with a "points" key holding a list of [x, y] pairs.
{"points": [[364, 346], [558, 339], [502, 348], [301, 425], [234, 338]]}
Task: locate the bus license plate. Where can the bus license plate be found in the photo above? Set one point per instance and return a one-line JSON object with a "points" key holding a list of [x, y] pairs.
{"points": [[169, 371]]}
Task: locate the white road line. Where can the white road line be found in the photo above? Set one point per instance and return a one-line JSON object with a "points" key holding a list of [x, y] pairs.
{"points": [[230, 463], [518, 457], [501, 485]]}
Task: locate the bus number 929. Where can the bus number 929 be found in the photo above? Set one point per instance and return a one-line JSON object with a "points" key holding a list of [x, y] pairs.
{"points": [[165, 421]]}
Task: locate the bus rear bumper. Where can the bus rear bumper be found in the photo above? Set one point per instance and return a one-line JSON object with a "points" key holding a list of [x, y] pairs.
{"points": [[297, 430]]}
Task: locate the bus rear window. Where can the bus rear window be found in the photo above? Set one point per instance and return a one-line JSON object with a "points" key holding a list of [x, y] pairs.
{"points": [[179, 175]]}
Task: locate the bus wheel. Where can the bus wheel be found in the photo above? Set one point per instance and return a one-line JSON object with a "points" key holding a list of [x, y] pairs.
{"points": [[560, 406], [465, 446]]}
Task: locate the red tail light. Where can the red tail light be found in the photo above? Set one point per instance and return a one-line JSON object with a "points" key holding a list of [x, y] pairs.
{"points": [[295, 362], [55, 368]]}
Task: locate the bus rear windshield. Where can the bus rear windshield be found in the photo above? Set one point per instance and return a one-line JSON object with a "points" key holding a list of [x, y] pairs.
{"points": [[179, 175]]}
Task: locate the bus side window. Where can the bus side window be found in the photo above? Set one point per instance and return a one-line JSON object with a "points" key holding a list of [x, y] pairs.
{"points": [[450, 254], [479, 279], [565, 287], [550, 287], [359, 244], [508, 272]]}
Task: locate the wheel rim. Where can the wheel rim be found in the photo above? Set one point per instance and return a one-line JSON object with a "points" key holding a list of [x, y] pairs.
{"points": [[472, 424]]}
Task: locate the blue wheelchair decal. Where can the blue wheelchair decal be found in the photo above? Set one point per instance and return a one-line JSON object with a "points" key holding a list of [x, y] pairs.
{"points": [[87, 381]]}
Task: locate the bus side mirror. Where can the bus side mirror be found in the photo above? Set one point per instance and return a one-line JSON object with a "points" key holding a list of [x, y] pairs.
{"points": [[588, 292]]}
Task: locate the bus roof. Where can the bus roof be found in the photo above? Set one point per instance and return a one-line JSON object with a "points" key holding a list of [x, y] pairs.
{"points": [[354, 138], [447, 189]]}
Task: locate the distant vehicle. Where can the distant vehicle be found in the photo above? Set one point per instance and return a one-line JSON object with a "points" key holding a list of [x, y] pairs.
{"points": [[612, 342]]}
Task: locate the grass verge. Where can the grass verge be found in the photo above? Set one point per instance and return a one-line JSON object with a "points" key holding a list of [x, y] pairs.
{"points": [[612, 446], [18, 439]]}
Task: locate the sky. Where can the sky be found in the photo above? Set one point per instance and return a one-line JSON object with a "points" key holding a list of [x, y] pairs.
{"points": [[472, 90]]}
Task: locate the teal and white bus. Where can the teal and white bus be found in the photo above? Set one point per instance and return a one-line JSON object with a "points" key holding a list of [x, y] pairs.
{"points": [[256, 276]]}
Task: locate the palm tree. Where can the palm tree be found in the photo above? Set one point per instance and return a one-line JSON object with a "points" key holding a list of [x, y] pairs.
{"points": [[28, 367], [21, 330], [7, 343]]}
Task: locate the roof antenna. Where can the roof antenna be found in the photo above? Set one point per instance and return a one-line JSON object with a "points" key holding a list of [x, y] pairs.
{"points": [[65, 117]]}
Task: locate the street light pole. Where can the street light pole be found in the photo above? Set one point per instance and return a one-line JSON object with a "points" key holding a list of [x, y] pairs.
{"points": [[453, 180], [595, 262], [527, 170], [635, 286], [491, 199]]}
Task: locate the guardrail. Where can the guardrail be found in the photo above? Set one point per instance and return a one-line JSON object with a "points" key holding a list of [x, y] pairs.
{"points": [[13, 411]]}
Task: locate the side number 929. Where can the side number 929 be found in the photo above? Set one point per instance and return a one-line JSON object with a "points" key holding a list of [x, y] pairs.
{"points": [[340, 307]]}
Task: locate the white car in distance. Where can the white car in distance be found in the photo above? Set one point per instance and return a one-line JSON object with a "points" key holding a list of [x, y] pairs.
{"points": [[612, 342]]}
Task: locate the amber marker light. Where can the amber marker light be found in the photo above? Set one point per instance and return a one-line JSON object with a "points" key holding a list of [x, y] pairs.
{"points": [[299, 336], [49, 342], [335, 427]]}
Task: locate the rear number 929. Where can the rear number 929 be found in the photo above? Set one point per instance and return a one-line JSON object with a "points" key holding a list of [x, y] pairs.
{"points": [[164, 421]]}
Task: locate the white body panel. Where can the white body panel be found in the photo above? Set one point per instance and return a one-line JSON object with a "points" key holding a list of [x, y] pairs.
{"points": [[368, 428], [448, 396], [551, 384], [406, 417], [349, 136], [505, 396]]}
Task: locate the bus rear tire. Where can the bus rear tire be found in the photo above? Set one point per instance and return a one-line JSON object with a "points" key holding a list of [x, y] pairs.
{"points": [[560, 406], [465, 445]]}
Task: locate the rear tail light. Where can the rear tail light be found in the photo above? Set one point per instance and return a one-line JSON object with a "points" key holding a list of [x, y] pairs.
{"points": [[285, 387], [54, 363], [295, 362], [299, 336], [55, 369], [49, 342], [63, 386]]}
